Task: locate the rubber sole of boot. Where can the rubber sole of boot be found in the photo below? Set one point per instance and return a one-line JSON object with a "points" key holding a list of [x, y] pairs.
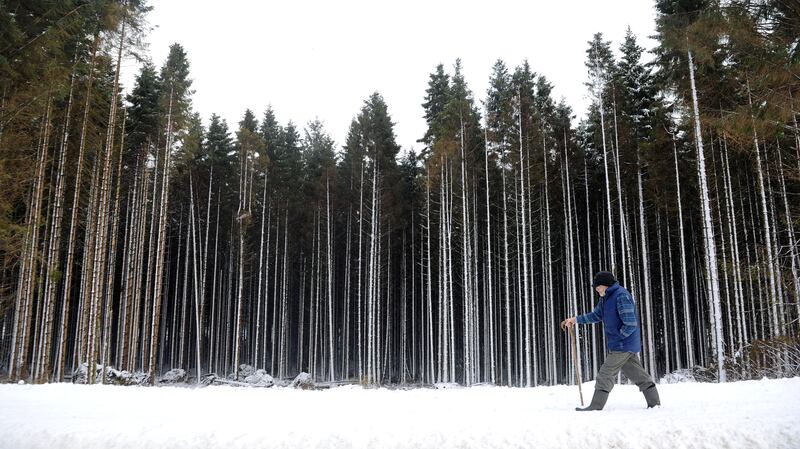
{"points": [[587, 409]]}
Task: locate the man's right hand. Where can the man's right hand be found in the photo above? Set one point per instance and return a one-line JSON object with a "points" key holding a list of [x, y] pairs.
{"points": [[568, 323]]}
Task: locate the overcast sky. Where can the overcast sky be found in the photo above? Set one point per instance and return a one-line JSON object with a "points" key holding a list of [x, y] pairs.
{"points": [[324, 58]]}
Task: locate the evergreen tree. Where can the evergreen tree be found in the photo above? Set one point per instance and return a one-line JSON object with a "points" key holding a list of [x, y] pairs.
{"points": [[462, 116], [176, 88], [251, 149], [525, 116], [285, 168], [499, 108], [191, 151], [271, 132], [637, 91], [143, 114], [318, 160], [436, 98], [218, 143]]}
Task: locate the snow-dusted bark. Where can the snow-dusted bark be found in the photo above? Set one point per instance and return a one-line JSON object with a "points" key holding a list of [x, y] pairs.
{"points": [[329, 277], [525, 288], [283, 343], [775, 324], [590, 273], [259, 294], [359, 322], [598, 86], [372, 289], [627, 272], [490, 287], [687, 316], [429, 293], [507, 282], [733, 219], [162, 238], [793, 251], [648, 303], [466, 262], [708, 234]]}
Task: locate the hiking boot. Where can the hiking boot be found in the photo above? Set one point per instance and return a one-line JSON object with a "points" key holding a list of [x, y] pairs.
{"points": [[598, 402], [651, 396]]}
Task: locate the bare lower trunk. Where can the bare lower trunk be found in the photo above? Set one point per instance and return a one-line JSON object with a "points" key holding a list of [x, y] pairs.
{"points": [[162, 237], [708, 234]]}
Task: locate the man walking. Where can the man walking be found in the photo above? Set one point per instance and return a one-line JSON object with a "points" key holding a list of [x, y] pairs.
{"points": [[617, 311]]}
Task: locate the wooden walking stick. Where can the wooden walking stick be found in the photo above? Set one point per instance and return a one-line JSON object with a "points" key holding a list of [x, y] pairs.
{"points": [[575, 360]]}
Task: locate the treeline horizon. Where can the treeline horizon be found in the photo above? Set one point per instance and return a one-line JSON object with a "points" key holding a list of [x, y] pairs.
{"points": [[133, 236]]}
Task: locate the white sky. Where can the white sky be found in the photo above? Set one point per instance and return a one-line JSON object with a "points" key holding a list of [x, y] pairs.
{"points": [[324, 58]]}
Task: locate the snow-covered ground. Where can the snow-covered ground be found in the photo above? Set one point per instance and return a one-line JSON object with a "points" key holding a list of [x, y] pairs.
{"points": [[753, 414]]}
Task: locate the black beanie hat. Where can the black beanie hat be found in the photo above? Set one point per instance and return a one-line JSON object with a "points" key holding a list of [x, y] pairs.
{"points": [[603, 278]]}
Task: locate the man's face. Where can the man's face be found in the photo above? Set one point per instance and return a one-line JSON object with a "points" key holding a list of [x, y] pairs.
{"points": [[601, 289]]}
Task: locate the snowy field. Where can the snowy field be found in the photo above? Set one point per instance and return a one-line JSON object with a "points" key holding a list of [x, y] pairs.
{"points": [[753, 414]]}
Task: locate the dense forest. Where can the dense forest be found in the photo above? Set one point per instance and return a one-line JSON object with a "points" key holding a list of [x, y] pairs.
{"points": [[136, 235]]}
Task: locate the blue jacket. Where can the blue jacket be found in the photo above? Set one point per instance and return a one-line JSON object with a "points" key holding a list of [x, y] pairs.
{"points": [[617, 311]]}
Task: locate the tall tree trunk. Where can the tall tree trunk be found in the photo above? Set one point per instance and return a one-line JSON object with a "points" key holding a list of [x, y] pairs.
{"points": [[648, 302], [259, 297], [359, 296], [599, 86], [330, 280], [162, 237], [793, 253], [687, 316], [71, 241], [25, 289], [525, 288], [54, 251], [431, 363], [507, 279], [467, 272], [112, 259], [708, 234], [490, 288]]}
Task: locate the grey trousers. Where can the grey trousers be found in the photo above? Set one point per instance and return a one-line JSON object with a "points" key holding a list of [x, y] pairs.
{"points": [[631, 367]]}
